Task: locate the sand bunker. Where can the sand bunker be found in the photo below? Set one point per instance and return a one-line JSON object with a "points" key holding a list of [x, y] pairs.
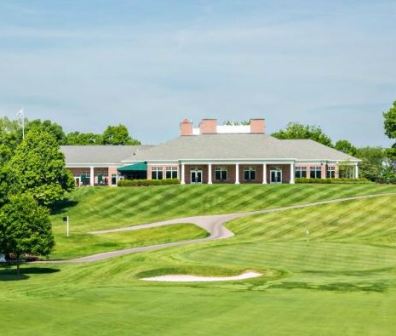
{"points": [[197, 278]]}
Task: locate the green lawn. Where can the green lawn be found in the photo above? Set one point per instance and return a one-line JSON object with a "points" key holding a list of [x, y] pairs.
{"points": [[83, 244], [338, 280], [100, 208]]}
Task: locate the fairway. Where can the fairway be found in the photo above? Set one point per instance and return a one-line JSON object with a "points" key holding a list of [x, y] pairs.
{"points": [[328, 269]]}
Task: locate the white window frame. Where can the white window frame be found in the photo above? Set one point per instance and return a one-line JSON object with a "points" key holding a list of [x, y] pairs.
{"points": [[196, 171], [111, 179], [317, 170], [173, 172], [249, 170], [155, 173], [221, 170], [276, 171], [331, 170], [300, 170]]}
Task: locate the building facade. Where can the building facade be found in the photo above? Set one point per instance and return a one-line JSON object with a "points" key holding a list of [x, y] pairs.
{"points": [[210, 154]]}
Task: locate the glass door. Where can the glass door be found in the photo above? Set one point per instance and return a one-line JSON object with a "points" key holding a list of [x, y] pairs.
{"points": [[276, 176], [196, 176]]}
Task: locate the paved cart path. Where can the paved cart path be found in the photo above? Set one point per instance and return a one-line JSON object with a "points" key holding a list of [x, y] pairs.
{"points": [[213, 224]]}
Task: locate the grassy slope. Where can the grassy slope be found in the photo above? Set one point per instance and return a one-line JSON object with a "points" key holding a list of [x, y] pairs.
{"points": [[340, 282], [99, 208], [83, 244]]}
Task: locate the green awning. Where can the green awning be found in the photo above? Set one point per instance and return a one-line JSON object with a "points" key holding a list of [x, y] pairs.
{"points": [[140, 166]]}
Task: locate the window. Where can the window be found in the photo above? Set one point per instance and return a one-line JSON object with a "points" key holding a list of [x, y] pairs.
{"points": [[85, 178], [330, 172], [316, 172], [171, 172], [249, 174], [221, 174], [156, 173], [300, 172]]}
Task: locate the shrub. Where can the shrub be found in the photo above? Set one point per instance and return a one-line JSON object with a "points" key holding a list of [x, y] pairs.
{"points": [[333, 180], [146, 183]]}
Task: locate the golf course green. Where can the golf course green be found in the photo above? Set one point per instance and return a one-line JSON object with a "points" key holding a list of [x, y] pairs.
{"points": [[328, 269]]}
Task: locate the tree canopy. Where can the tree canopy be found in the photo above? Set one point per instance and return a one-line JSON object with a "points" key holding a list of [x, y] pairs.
{"points": [[346, 147], [53, 128], [38, 167], [300, 131], [390, 131], [118, 135], [10, 137], [390, 122], [25, 228], [77, 138]]}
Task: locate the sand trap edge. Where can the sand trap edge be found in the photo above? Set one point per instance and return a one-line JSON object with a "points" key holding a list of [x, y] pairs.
{"points": [[197, 278]]}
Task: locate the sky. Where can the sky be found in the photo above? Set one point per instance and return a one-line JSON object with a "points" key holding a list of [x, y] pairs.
{"points": [[149, 64]]}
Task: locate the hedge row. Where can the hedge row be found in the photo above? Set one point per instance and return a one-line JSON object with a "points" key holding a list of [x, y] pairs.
{"points": [[333, 180], [144, 183]]}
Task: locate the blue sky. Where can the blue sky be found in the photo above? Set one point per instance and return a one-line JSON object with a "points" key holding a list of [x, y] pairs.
{"points": [[148, 64]]}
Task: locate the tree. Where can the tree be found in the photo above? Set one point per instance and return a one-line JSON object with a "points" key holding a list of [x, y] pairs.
{"points": [[25, 228], [5, 185], [10, 137], [346, 147], [118, 135], [77, 138], [300, 131], [390, 122], [390, 131], [373, 162], [38, 167], [48, 126]]}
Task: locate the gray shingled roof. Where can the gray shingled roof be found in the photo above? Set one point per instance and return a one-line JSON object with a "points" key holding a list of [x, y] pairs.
{"points": [[238, 146], [99, 154]]}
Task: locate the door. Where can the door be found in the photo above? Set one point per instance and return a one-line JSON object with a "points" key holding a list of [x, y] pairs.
{"points": [[276, 176], [196, 176]]}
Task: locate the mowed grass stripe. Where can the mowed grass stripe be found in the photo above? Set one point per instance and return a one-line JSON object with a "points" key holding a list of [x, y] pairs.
{"points": [[300, 256], [328, 222], [100, 208]]}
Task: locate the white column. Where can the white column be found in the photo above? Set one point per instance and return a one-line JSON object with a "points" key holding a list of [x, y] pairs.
{"points": [[209, 173], [91, 176], [183, 180], [292, 173], [264, 173], [237, 173], [357, 171]]}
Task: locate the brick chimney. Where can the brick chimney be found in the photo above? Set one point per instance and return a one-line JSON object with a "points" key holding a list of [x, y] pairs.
{"points": [[257, 125], [186, 127], [208, 126]]}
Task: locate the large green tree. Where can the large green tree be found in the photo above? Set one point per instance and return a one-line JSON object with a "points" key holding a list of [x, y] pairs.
{"points": [[38, 167], [300, 131], [48, 126], [25, 228], [118, 135], [346, 147]]}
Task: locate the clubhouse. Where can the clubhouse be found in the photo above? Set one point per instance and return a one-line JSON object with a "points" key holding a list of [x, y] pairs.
{"points": [[209, 154]]}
